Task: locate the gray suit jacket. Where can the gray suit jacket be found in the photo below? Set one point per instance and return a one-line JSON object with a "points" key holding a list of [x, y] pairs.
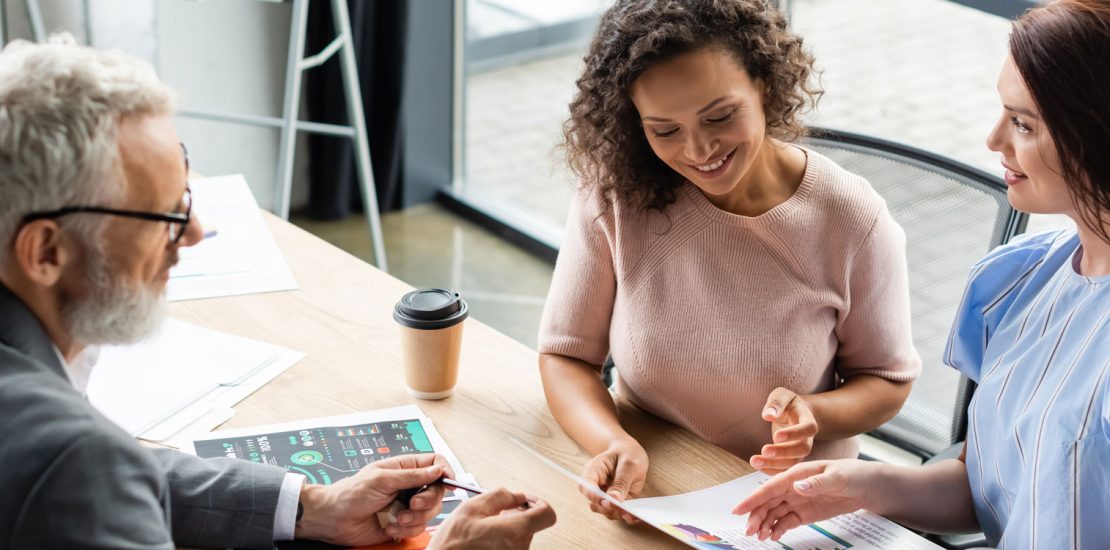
{"points": [[70, 478]]}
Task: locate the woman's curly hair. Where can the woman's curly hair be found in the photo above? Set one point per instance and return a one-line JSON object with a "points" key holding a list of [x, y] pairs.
{"points": [[604, 140]]}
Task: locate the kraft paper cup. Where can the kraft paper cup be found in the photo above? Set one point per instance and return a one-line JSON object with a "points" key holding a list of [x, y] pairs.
{"points": [[431, 324]]}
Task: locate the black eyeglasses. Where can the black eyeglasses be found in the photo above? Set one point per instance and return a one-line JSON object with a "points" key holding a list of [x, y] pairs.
{"points": [[178, 220]]}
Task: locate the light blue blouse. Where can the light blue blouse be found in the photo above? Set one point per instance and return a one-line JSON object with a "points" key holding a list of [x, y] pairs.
{"points": [[1035, 335]]}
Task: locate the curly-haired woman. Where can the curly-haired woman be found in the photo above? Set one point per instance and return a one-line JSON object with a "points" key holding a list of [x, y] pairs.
{"points": [[748, 290]]}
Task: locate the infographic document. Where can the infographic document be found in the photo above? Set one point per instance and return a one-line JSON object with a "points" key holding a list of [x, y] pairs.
{"points": [[326, 450], [703, 519]]}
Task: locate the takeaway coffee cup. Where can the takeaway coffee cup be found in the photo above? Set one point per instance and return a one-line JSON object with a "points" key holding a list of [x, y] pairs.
{"points": [[431, 321]]}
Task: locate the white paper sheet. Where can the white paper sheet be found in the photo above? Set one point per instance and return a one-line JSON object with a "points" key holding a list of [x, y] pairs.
{"points": [[239, 256], [703, 519], [155, 387]]}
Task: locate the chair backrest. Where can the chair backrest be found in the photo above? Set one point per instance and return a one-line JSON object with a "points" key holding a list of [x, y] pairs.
{"points": [[953, 214]]}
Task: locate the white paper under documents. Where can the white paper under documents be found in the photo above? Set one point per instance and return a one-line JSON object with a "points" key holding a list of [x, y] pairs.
{"points": [[182, 377], [238, 254]]}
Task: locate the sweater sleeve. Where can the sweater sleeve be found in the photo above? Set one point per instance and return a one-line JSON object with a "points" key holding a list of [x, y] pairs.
{"points": [[874, 330], [579, 306]]}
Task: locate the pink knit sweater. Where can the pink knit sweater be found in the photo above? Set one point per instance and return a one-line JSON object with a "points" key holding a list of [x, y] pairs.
{"points": [[705, 312]]}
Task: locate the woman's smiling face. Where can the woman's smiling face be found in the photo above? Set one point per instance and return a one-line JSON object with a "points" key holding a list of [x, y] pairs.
{"points": [[1034, 176], [703, 115]]}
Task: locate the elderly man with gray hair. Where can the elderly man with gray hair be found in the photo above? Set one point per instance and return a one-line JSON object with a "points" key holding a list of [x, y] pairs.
{"points": [[94, 206]]}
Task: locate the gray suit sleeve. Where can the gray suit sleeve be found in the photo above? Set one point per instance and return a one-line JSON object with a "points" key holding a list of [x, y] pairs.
{"points": [[95, 494], [221, 501]]}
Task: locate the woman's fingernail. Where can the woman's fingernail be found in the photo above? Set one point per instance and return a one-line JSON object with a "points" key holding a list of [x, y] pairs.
{"points": [[404, 517], [803, 485], [757, 462], [616, 494], [770, 411], [392, 531], [605, 504], [417, 503], [769, 451]]}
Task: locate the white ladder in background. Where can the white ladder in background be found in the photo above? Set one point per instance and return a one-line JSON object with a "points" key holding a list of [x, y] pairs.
{"points": [[289, 122]]}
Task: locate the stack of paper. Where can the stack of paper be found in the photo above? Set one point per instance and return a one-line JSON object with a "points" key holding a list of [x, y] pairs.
{"points": [[185, 378], [238, 254]]}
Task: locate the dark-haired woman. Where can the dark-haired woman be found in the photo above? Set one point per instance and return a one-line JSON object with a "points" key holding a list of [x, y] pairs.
{"points": [[748, 290], [1033, 329]]}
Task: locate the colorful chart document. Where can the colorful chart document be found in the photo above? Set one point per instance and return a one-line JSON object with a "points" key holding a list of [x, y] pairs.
{"points": [[326, 450], [703, 519]]}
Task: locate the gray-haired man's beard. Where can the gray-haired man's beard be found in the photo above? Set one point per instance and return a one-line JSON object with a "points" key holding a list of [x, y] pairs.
{"points": [[112, 312]]}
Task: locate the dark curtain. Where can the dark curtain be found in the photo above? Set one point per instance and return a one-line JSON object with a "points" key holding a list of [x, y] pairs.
{"points": [[379, 29]]}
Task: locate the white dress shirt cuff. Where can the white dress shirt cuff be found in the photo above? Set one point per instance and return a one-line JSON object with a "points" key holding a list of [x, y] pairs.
{"points": [[285, 518]]}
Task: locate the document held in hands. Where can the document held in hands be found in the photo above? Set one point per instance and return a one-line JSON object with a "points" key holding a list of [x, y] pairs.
{"points": [[703, 519]]}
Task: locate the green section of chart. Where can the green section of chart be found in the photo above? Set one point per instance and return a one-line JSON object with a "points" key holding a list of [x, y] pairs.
{"points": [[307, 458], [419, 438]]}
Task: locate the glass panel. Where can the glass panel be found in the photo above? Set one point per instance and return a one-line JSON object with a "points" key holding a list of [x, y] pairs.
{"points": [[921, 73], [522, 58]]}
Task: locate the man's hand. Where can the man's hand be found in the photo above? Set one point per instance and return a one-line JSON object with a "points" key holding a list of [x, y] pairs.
{"points": [[809, 492], [344, 513], [620, 471], [793, 428], [494, 521]]}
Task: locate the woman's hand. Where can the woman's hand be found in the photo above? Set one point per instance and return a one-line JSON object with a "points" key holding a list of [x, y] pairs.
{"points": [[793, 427], [620, 471], [809, 492]]}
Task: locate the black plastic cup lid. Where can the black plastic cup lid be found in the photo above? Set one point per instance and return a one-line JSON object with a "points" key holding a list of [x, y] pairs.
{"points": [[430, 309]]}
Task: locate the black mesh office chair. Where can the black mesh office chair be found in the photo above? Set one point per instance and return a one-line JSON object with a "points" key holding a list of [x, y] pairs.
{"points": [[953, 214]]}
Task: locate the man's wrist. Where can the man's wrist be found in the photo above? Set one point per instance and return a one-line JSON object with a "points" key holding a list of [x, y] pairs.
{"points": [[312, 517], [285, 511]]}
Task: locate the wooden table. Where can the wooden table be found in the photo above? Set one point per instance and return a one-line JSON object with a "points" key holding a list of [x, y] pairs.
{"points": [[342, 318]]}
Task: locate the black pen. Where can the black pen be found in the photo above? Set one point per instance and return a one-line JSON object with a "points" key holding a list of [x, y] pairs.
{"points": [[472, 489], [405, 496], [463, 486]]}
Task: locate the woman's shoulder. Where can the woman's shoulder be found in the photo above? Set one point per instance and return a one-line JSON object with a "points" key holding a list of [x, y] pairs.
{"points": [[834, 183], [1020, 256], [844, 199], [1016, 268]]}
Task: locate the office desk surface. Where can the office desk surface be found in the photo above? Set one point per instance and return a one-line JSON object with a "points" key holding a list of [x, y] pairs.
{"points": [[342, 318]]}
